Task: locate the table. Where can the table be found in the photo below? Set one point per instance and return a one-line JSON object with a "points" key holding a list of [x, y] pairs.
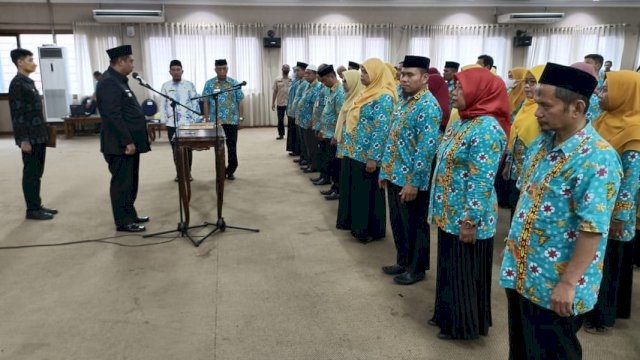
{"points": [[199, 139], [152, 127], [71, 122]]}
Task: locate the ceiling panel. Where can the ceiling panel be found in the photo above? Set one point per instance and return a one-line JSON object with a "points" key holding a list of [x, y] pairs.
{"points": [[359, 3]]}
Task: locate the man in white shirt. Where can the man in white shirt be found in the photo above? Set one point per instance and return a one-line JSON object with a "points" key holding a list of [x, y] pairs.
{"points": [[181, 91]]}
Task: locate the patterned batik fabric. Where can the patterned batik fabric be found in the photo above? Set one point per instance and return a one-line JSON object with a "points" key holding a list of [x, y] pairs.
{"points": [[566, 189]]}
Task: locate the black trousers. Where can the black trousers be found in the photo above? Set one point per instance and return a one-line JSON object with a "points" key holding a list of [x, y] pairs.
{"points": [[539, 333], [335, 166], [311, 142], [605, 311], [410, 229], [302, 142], [636, 249], [171, 131], [324, 157], [125, 170], [231, 134], [293, 142], [281, 111], [32, 170]]}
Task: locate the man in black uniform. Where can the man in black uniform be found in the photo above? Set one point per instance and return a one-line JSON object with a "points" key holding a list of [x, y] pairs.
{"points": [[123, 137], [30, 131]]}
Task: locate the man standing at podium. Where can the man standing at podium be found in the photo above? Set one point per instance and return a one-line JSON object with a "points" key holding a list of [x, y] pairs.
{"points": [[123, 137], [229, 110], [181, 91]]}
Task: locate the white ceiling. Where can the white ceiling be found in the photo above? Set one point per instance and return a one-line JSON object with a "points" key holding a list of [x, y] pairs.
{"points": [[359, 3]]}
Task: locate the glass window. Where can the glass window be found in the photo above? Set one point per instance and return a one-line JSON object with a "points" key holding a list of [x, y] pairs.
{"points": [[7, 69]]}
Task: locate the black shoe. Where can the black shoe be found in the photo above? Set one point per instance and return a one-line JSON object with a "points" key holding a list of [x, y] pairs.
{"points": [[308, 170], [408, 278], [231, 177], [333, 196], [190, 178], [322, 181], [50, 211], [316, 179], [327, 192], [295, 160], [280, 138], [394, 269], [303, 163], [141, 219], [176, 179], [432, 322], [39, 215], [443, 336], [292, 154], [133, 227]]}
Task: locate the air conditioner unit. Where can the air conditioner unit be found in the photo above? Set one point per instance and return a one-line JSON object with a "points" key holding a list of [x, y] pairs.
{"points": [[530, 18], [55, 81], [128, 16]]}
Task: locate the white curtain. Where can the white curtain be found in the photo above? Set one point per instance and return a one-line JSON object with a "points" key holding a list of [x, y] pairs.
{"points": [[461, 43], [91, 43], [335, 44], [567, 45], [197, 46]]}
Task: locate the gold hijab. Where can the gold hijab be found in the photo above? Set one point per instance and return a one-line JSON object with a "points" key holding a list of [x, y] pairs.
{"points": [[525, 125], [620, 123], [517, 96], [352, 78], [394, 73], [382, 82]]}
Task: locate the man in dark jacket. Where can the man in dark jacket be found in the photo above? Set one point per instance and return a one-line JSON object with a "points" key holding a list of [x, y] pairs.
{"points": [[123, 137], [30, 131]]}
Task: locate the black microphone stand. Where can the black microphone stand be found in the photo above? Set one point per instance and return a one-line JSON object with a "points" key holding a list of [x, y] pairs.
{"points": [[183, 229], [220, 224]]}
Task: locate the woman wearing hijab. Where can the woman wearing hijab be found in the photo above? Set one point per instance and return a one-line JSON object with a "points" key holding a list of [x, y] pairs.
{"points": [[454, 117], [440, 90], [353, 86], [433, 71], [619, 125], [515, 89], [463, 204], [524, 130], [367, 128]]}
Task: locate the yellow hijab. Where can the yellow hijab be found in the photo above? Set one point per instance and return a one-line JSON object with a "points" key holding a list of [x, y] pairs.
{"points": [[620, 123], [352, 78], [525, 125], [517, 96], [382, 82]]}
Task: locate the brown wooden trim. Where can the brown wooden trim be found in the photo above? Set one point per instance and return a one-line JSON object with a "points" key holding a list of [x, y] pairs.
{"points": [[4, 96]]}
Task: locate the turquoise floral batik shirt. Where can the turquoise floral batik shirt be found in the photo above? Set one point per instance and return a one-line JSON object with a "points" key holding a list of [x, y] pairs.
{"points": [[462, 186], [369, 137], [331, 110], [292, 97], [626, 203], [228, 101], [307, 104], [412, 141], [318, 108], [594, 109], [302, 87], [566, 189]]}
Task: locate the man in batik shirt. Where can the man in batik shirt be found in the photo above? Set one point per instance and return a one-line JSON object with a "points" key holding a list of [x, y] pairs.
{"points": [[229, 110], [552, 263], [406, 169], [450, 68]]}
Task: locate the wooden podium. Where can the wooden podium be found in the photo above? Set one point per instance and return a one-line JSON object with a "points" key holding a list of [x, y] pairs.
{"points": [[199, 137]]}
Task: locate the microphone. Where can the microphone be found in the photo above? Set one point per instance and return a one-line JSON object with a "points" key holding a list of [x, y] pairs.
{"points": [[242, 84], [136, 76]]}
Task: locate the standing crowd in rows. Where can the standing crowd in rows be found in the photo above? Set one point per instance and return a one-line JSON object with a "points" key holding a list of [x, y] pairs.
{"points": [[557, 144]]}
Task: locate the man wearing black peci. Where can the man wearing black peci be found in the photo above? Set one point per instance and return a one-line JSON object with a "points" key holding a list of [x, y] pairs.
{"points": [[30, 131], [123, 137]]}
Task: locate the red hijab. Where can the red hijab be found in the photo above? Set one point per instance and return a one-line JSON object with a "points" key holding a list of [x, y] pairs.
{"points": [[432, 71], [440, 90], [484, 94]]}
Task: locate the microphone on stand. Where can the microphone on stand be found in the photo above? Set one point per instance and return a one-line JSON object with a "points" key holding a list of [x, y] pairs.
{"points": [[136, 76]]}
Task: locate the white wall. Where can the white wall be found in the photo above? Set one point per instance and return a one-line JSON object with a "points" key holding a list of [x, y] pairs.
{"points": [[13, 16]]}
